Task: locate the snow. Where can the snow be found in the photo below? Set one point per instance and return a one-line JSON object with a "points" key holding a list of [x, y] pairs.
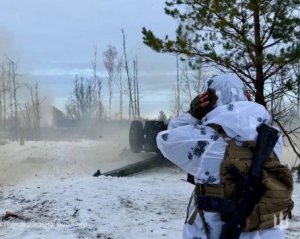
{"points": [[49, 184], [143, 206], [41, 160]]}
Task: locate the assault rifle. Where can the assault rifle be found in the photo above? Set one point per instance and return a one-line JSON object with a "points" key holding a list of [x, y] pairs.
{"points": [[250, 188]]}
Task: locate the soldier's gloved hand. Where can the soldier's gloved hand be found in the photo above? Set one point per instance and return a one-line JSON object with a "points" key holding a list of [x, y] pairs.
{"points": [[202, 104]]}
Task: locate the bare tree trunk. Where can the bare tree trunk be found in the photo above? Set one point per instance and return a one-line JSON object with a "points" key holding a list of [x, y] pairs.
{"points": [[33, 116], [191, 81], [187, 89], [121, 98], [37, 111], [4, 99], [273, 97], [1, 108], [27, 114], [178, 86], [99, 93], [10, 92], [137, 90], [77, 97], [128, 77], [94, 64], [110, 98], [120, 84], [129, 110], [297, 73], [259, 82], [98, 82], [110, 57], [298, 99], [82, 104], [14, 67], [199, 80]]}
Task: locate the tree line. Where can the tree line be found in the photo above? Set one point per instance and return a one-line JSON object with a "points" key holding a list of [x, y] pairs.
{"points": [[89, 102], [19, 102], [87, 99]]}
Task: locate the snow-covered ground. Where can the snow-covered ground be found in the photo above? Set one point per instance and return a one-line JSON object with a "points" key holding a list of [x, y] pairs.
{"points": [[151, 205], [49, 185], [44, 160]]}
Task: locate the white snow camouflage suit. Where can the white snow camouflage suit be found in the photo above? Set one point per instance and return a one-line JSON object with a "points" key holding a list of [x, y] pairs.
{"points": [[199, 150]]}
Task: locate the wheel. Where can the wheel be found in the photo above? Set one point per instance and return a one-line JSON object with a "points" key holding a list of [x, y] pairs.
{"points": [[136, 136], [152, 128]]}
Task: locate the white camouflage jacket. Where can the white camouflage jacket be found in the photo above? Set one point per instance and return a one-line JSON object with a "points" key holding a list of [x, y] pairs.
{"points": [[198, 149]]}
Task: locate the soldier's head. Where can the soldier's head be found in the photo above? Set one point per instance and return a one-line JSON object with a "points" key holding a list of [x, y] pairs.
{"points": [[219, 90], [228, 88]]}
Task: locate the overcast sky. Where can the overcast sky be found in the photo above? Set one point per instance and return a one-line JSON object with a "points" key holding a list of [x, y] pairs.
{"points": [[54, 39]]}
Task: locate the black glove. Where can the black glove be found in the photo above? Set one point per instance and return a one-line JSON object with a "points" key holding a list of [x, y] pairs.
{"points": [[202, 104]]}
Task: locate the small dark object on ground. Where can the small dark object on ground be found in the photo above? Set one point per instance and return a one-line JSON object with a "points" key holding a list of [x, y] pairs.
{"points": [[97, 173], [76, 210], [102, 236], [9, 215]]}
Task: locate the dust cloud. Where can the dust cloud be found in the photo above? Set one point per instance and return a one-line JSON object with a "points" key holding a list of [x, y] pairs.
{"points": [[69, 152], [58, 148]]}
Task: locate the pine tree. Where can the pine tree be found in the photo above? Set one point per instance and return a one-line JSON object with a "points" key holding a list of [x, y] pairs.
{"points": [[255, 39]]}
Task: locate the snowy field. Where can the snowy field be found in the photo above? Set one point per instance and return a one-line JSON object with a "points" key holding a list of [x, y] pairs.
{"points": [[44, 160], [49, 186]]}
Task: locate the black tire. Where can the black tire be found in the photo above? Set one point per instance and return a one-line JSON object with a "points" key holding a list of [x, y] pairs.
{"points": [[152, 128], [136, 136]]}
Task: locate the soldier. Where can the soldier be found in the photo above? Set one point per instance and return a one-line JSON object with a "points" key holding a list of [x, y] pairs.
{"points": [[220, 128]]}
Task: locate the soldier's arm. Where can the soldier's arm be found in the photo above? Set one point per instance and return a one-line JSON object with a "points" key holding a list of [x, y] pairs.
{"points": [[182, 120]]}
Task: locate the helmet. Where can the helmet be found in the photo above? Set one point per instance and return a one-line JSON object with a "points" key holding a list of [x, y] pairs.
{"points": [[228, 88]]}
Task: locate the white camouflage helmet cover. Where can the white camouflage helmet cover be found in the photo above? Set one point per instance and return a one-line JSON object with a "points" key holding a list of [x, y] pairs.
{"points": [[229, 88]]}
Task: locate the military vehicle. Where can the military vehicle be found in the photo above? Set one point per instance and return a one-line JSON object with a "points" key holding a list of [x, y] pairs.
{"points": [[143, 137]]}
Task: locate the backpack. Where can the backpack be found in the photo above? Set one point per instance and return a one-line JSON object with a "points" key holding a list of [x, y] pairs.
{"points": [[274, 205]]}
